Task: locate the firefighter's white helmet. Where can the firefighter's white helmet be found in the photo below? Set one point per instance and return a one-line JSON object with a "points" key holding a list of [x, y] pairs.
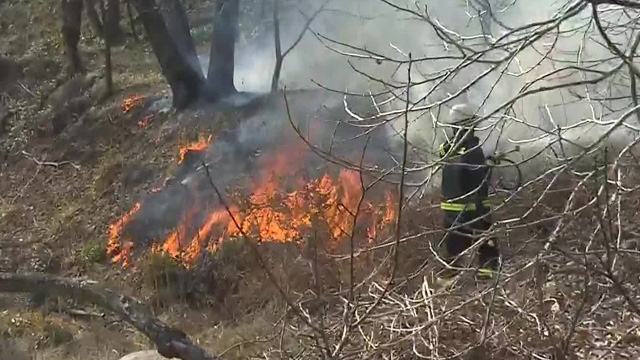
{"points": [[462, 114]]}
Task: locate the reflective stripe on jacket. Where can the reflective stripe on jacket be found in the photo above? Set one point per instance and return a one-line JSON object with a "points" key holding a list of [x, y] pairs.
{"points": [[459, 207], [444, 148], [465, 175]]}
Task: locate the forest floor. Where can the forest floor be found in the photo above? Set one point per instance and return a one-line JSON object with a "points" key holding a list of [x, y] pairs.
{"points": [[60, 191], [73, 161]]}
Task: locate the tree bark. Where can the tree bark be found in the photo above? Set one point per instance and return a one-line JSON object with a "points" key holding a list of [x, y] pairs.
{"points": [[113, 14], [278, 47], [71, 27], [132, 22], [94, 18], [108, 69], [223, 40], [177, 22], [4, 114], [187, 83], [171, 342]]}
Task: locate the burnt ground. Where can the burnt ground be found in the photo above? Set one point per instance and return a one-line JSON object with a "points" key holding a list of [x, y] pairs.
{"points": [[59, 190], [72, 161]]}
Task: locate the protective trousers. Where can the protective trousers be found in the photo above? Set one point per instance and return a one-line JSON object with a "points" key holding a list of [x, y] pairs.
{"points": [[460, 238]]}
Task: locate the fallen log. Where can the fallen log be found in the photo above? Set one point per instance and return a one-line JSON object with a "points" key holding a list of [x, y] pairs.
{"points": [[170, 342]]}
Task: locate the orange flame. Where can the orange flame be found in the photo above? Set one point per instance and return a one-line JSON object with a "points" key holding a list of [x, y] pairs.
{"points": [[200, 145], [130, 102], [199, 241], [282, 207], [144, 123], [389, 210], [115, 247], [340, 212], [272, 215]]}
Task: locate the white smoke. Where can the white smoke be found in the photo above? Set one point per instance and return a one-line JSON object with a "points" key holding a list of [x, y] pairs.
{"points": [[376, 26]]}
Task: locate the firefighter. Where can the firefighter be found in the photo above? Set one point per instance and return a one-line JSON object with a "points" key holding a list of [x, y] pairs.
{"points": [[465, 188]]}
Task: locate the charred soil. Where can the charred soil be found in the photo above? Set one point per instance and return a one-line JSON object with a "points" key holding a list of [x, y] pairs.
{"points": [[83, 174]]}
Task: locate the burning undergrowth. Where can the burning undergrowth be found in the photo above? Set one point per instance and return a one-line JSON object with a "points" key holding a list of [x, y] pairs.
{"points": [[274, 190]]}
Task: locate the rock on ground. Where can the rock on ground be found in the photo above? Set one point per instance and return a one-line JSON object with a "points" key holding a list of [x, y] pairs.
{"points": [[144, 355]]}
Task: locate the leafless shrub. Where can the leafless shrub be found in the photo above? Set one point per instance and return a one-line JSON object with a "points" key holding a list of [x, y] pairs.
{"points": [[568, 287]]}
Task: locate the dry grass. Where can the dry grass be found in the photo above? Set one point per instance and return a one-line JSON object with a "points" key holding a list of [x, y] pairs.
{"points": [[10, 350], [246, 337], [245, 306], [66, 212], [94, 341]]}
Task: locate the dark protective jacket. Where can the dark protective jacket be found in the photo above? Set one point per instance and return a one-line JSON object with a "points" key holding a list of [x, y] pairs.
{"points": [[465, 176]]}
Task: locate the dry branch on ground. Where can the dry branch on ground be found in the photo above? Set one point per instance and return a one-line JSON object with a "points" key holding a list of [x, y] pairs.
{"points": [[170, 342]]}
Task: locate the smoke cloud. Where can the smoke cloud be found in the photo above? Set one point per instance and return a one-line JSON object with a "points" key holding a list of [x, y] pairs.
{"points": [[236, 158], [376, 26]]}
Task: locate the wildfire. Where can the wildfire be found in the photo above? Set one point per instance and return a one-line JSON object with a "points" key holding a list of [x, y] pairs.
{"points": [[389, 210], [120, 250], [200, 145], [339, 212], [130, 102], [282, 206], [271, 215], [144, 123], [198, 242]]}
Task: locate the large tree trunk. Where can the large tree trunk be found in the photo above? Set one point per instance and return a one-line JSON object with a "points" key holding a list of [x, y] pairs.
{"points": [[180, 30], [94, 18], [223, 40], [132, 22], [71, 27], [108, 69], [186, 82], [113, 28]]}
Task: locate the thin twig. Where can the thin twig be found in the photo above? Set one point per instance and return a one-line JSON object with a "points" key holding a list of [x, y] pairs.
{"points": [[49, 163]]}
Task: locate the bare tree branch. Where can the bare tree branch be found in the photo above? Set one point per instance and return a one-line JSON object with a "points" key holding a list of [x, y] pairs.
{"points": [[278, 41]]}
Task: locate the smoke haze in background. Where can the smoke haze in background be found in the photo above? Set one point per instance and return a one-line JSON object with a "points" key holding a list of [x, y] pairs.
{"points": [[236, 159], [376, 26]]}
